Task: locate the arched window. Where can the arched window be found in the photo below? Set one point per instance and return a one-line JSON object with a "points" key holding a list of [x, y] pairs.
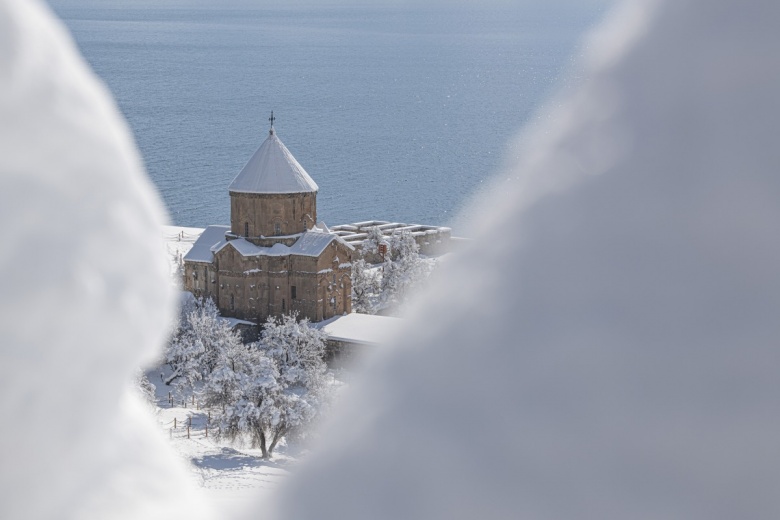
{"points": [[283, 305], [246, 229], [232, 303], [277, 228]]}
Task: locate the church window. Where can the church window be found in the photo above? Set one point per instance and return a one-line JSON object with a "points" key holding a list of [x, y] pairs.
{"points": [[283, 305], [293, 292], [232, 302], [277, 228], [246, 229]]}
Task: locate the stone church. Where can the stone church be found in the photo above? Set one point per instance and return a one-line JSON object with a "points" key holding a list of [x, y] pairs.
{"points": [[274, 258]]}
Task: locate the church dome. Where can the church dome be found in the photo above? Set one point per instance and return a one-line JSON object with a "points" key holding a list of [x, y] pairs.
{"points": [[273, 169]]}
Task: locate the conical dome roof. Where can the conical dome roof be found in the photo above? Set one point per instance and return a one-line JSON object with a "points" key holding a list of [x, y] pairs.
{"points": [[273, 169]]}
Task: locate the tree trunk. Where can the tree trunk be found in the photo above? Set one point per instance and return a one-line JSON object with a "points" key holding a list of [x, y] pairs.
{"points": [[266, 453], [170, 378], [278, 434]]}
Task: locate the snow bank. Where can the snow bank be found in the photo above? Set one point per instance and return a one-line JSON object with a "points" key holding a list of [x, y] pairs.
{"points": [[85, 296], [615, 354]]}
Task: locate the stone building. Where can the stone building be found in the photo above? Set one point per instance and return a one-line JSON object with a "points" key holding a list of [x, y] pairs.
{"points": [[274, 258]]}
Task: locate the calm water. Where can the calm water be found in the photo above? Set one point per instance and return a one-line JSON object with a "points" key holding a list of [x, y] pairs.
{"points": [[398, 113]]}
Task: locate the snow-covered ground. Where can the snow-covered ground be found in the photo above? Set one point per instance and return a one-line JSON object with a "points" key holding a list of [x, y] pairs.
{"points": [[179, 240], [227, 473]]}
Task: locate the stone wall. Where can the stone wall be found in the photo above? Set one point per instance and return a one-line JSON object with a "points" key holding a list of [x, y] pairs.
{"points": [[256, 214], [433, 240], [252, 288]]}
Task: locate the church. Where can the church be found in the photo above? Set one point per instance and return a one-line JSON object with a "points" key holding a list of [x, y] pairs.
{"points": [[274, 258]]}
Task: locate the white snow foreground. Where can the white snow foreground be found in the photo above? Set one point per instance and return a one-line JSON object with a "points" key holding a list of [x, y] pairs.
{"points": [[85, 293], [621, 361], [616, 355]]}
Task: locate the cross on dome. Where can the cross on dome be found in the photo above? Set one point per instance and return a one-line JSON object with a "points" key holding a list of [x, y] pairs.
{"points": [[272, 119]]}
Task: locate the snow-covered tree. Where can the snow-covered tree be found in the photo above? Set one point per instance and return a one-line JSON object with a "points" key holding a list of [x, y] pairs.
{"points": [[145, 388], [403, 269], [404, 247], [244, 389], [194, 351], [270, 388], [365, 287], [297, 347], [372, 241], [298, 350]]}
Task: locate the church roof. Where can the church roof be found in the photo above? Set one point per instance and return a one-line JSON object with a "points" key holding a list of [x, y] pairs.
{"points": [[273, 169], [213, 240], [201, 250], [310, 243]]}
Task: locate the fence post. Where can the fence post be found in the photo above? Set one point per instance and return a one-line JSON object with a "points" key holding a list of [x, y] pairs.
{"points": [[188, 431], [174, 423]]}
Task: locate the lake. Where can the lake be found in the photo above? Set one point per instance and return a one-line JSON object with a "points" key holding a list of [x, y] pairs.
{"points": [[398, 111]]}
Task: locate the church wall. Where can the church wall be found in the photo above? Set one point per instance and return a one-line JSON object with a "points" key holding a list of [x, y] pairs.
{"points": [[303, 277], [335, 281], [252, 288], [260, 213], [200, 279]]}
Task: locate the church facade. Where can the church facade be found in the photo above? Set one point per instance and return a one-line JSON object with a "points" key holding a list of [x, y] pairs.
{"points": [[274, 258]]}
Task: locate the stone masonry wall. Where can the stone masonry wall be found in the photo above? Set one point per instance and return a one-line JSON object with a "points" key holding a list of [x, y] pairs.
{"points": [[255, 214]]}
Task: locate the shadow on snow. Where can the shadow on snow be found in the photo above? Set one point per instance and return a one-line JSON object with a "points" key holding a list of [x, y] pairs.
{"points": [[229, 458]]}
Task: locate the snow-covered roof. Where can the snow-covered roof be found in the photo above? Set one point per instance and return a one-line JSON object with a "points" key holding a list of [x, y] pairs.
{"points": [[202, 249], [310, 243], [273, 169], [360, 328]]}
